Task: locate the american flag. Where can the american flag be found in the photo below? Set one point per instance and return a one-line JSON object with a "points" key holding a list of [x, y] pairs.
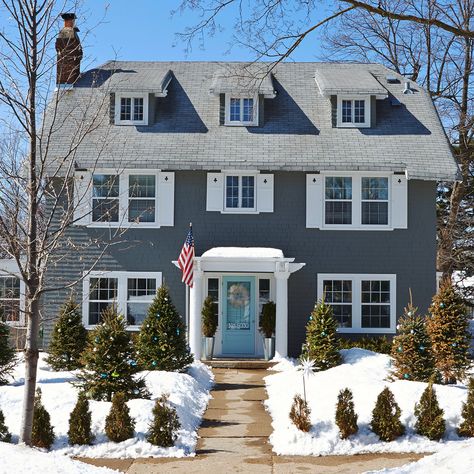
{"points": [[186, 259]]}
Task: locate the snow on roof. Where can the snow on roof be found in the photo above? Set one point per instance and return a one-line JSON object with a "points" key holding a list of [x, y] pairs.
{"points": [[243, 252]]}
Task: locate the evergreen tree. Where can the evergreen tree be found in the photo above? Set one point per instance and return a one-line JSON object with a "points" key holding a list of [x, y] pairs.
{"points": [[7, 354], [5, 435], [80, 422], [466, 428], [69, 338], [300, 414], [411, 348], [165, 424], [209, 318], [386, 417], [110, 364], [346, 418], [448, 328], [119, 425], [161, 343], [321, 344], [429, 415], [42, 435]]}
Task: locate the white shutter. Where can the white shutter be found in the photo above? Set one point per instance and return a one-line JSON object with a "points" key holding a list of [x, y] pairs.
{"points": [[264, 192], [82, 200], [166, 199], [215, 192], [314, 201], [399, 201]]}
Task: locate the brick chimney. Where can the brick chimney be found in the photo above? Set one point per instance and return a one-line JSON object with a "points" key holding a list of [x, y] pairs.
{"points": [[69, 52]]}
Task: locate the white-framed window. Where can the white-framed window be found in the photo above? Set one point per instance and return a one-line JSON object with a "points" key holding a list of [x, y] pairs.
{"points": [[131, 109], [362, 303], [131, 292], [241, 111], [240, 192], [10, 300], [127, 198], [374, 201], [353, 111], [338, 200]]}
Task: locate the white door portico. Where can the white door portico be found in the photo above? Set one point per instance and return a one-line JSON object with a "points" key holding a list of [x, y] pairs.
{"points": [[243, 261]]}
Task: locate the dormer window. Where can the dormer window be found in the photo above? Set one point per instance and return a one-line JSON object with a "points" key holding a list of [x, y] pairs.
{"points": [[241, 111], [131, 110], [353, 112]]}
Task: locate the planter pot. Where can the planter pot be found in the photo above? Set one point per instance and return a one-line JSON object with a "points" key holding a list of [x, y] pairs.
{"points": [[208, 348], [268, 348]]}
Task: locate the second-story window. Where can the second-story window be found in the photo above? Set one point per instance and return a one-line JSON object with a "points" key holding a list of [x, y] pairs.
{"points": [[353, 112], [240, 192], [375, 201], [241, 111], [338, 203], [105, 198], [142, 198], [131, 110]]}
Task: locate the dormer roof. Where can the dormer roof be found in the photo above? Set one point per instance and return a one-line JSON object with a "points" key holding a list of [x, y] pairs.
{"points": [[142, 80]]}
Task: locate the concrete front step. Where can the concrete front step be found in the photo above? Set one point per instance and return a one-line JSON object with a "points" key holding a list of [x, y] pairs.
{"points": [[239, 363]]}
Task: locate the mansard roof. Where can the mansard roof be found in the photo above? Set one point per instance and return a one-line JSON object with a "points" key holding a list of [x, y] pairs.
{"points": [[296, 132]]}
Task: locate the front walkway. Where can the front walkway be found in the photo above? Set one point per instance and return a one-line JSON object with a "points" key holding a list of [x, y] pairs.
{"points": [[234, 438]]}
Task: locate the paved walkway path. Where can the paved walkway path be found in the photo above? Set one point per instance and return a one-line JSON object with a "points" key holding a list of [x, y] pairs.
{"points": [[234, 438]]}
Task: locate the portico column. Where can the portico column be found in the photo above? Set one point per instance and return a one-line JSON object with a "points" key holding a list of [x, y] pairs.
{"points": [[195, 306], [281, 324]]}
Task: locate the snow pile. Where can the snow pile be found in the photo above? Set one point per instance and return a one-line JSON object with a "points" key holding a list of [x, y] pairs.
{"points": [[366, 374], [189, 394], [23, 460], [243, 252], [456, 458]]}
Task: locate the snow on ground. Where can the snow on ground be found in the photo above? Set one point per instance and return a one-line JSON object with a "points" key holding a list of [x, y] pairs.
{"points": [[453, 459], [189, 394], [366, 374], [23, 460]]}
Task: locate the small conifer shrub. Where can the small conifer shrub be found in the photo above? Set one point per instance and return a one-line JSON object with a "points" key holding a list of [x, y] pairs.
{"points": [[42, 435], [68, 340], [7, 353], [165, 424], [322, 345], [119, 425], [268, 319], [346, 418], [209, 317], [300, 414], [386, 417], [5, 435], [80, 423], [429, 415], [466, 428]]}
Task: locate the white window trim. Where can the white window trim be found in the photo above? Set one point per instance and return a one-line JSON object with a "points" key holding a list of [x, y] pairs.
{"points": [[357, 201], [124, 199], [357, 300], [132, 96], [342, 124], [240, 210], [9, 268], [122, 289], [235, 123]]}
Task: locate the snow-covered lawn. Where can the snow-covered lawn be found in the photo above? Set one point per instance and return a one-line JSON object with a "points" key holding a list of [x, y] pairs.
{"points": [[23, 460], [189, 394], [366, 374]]}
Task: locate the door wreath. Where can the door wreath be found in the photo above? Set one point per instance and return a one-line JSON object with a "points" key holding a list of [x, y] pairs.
{"points": [[238, 295]]}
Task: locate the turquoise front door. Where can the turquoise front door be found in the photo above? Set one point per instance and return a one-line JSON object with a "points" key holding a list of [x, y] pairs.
{"points": [[238, 315]]}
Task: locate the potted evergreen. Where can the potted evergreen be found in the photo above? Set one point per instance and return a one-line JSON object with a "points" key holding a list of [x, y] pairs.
{"points": [[267, 328], [209, 323]]}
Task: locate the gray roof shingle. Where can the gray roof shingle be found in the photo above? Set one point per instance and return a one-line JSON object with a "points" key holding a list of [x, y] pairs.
{"points": [[297, 133]]}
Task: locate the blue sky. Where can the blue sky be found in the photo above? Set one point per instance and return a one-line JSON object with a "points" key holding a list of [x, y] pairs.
{"points": [[145, 30]]}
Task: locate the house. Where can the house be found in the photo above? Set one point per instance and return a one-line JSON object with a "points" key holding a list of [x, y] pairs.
{"points": [[310, 180]]}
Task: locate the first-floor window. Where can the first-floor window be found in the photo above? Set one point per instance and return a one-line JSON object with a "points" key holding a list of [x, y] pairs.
{"points": [[240, 192], [10, 299], [361, 303], [213, 292], [130, 293]]}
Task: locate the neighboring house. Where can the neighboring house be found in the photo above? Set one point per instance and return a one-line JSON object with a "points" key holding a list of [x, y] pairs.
{"points": [[318, 180]]}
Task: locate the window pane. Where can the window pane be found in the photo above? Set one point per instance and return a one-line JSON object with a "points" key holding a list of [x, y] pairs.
{"points": [[138, 109], [9, 287], [359, 111], [375, 189], [103, 289], [142, 210], [141, 288], [338, 187], [248, 110], [338, 212], [125, 108], [105, 185], [375, 213], [136, 313], [235, 110], [213, 292], [142, 186], [375, 316], [10, 310], [343, 314], [248, 191], [105, 210], [232, 191], [337, 291], [263, 293], [346, 111], [95, 311]]}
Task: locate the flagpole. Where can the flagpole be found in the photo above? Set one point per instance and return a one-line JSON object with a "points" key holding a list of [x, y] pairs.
{"points": [[187, 303]]}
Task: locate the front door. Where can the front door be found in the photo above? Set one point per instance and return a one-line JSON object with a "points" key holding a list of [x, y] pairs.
{"points": [[238, 315]]}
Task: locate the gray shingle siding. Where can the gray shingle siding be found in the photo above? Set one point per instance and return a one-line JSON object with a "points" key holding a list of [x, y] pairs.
{"points": [[410, 253]]}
